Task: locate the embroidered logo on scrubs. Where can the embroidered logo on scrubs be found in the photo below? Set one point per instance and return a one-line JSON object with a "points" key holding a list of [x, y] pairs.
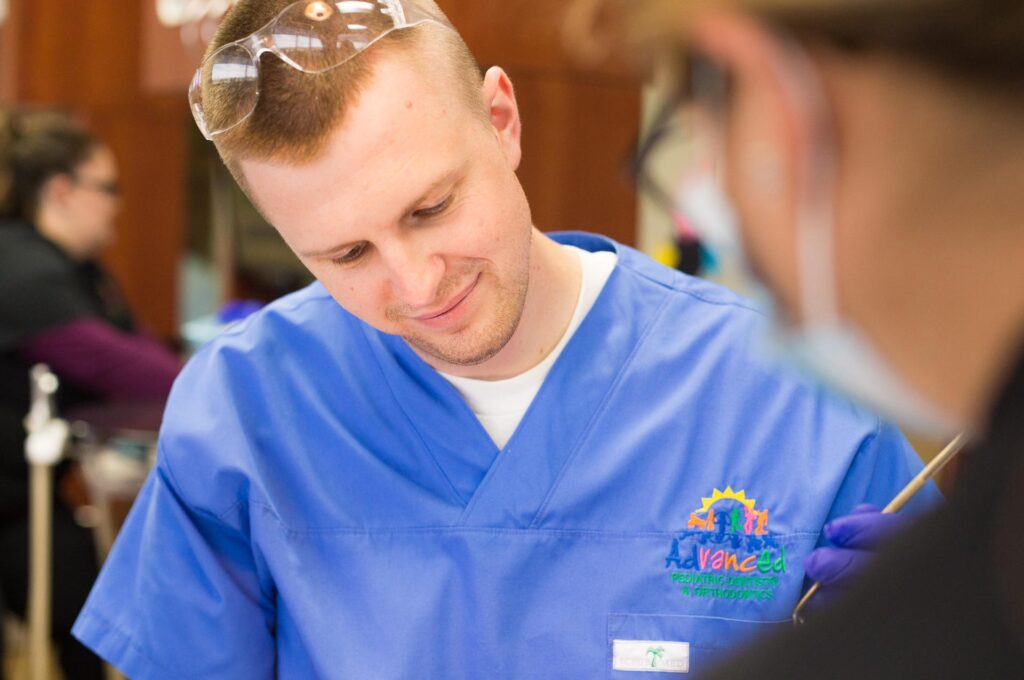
{"points": [[727, 551]]}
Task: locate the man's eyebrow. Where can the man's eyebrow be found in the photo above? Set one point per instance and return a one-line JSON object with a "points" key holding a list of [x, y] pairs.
{"points": [[327, 252], [448, 178]]}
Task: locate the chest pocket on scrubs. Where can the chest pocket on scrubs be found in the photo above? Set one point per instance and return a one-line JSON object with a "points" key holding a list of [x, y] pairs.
{"points": [[639, 643]]}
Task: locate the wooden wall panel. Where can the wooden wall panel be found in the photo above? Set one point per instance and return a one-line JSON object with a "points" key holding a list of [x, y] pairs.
{"points": [[526, 33], [578, 122], [8, 53], [575, 137], [168, 58], [86, 56], [148, 142]]}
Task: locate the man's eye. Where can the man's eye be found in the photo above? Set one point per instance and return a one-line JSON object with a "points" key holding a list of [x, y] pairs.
{"points": [[435, 210], [351, 255]]}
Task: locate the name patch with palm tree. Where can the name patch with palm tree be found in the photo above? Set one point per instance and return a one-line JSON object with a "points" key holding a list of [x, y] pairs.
{"points": [[651, 656]]}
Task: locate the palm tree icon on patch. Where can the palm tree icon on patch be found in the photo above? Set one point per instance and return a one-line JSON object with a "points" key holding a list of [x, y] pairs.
{"points": [[656, 653]]}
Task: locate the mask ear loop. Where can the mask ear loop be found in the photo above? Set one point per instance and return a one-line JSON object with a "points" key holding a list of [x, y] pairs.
{"points": [[816, 257]]}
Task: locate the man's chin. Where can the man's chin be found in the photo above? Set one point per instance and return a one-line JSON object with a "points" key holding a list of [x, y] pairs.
{"points": [[455, 356], [484, 336]]}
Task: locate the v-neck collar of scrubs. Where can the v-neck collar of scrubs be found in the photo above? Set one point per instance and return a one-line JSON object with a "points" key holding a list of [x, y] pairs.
{"points": [[509, 490]]}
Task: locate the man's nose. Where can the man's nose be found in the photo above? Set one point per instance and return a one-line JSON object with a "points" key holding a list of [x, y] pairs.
{"points": [[414, 271]]}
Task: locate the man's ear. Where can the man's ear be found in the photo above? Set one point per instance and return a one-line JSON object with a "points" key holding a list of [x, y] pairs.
{"points": [[771, 109], [500, 102], [770, 143]]}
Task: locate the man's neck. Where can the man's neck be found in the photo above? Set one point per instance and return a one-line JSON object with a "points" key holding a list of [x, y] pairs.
{"points": [[939, 293], [958, 322], [550, 300], [984, 332]]}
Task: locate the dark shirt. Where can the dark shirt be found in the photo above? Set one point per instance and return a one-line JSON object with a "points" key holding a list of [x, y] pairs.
{"points": [[944, 601], [72, 316]]}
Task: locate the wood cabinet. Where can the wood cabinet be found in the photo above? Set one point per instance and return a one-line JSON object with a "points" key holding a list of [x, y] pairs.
{"points": [[578, 124]]}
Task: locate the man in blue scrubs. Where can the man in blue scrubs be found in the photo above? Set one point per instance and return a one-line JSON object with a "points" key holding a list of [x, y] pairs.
{"points": [[470, 450]]}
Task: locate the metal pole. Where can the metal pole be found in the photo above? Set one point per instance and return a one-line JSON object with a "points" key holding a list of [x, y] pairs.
{"points": [[44, 447], [40, 561]]}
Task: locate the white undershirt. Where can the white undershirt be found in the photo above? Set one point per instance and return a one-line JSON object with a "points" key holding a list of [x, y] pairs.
{"points": [[501, 404]]}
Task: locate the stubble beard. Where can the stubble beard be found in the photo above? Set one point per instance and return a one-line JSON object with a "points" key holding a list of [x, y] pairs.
{"points": [[472, 346]]}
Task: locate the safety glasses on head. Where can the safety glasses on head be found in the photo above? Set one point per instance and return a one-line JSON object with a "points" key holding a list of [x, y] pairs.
{"points": [[312, 37]]}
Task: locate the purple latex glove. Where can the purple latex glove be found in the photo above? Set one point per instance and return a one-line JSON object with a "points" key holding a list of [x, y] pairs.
{"points": [[855, 539]]}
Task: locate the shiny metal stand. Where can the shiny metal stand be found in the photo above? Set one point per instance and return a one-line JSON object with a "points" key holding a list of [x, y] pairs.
{"points": [[44, 447]]}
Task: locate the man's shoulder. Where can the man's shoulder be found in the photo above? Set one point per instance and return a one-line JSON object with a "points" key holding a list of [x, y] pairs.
{"points": [[707, 323], [682, 287], [685, 319], [252, 388], [308, 315], [276, 350]]}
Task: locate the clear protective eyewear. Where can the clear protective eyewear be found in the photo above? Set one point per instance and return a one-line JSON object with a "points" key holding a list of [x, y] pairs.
{"points": [[671, 135], [312, 37]]}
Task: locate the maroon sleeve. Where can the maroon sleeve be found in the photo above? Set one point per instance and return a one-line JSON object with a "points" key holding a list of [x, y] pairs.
{"points": [[94, 355]]}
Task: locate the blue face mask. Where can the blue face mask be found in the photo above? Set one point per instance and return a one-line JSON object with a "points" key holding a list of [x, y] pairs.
{"points": [[834, 351]]}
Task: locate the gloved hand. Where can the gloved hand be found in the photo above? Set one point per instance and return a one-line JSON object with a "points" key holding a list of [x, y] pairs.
{"points": [[855, 539]]}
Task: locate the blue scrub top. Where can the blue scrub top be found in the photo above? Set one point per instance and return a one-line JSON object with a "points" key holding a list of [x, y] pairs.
{"points": [[326, 505]]}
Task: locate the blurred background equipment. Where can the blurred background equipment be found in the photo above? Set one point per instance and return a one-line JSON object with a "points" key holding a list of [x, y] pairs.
{"points": [[44, 447]]}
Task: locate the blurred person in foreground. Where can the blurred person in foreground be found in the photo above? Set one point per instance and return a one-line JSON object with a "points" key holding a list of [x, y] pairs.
{"points": [[872, 153], [471, 449], [58, 199]]}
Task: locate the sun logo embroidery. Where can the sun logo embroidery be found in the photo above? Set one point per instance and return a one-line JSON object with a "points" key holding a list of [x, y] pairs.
{"points": [[753, 521], [727, 550]]}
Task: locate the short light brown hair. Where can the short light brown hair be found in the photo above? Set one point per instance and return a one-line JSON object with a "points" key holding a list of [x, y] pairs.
{"points": [[297, 111]]}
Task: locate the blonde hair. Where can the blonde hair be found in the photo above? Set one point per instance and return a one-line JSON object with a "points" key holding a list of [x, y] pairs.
{"points": [[297, 111], [977, 42]]}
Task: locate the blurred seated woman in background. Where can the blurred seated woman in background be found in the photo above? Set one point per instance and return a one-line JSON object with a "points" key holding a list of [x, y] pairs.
{"points": [[59, 196]]}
